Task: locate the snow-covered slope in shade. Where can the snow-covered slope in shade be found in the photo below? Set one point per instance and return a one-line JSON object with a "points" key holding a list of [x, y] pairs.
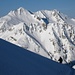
{"points": [[48, 33], [18, 61]]}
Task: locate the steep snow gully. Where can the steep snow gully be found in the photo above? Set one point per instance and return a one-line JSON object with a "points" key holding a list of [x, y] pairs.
{"points": [[15, 60]]}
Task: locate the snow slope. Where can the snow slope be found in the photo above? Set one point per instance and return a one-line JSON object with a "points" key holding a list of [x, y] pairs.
{"points": [[18, 61], [48, 33]]}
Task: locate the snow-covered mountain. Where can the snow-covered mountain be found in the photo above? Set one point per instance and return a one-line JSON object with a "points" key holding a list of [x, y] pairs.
{"points": [[48, 33]]}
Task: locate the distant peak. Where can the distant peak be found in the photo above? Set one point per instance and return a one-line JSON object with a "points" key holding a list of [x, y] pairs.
{"points": [[56, 11], [21, 8]]}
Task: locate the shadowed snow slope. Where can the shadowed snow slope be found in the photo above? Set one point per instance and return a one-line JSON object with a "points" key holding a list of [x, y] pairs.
{"points": [[18, 61]]}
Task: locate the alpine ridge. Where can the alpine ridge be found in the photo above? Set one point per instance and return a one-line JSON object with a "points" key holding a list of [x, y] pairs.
{"points": [[48, 33]]}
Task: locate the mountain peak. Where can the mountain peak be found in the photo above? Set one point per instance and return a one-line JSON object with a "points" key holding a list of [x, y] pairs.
{"points": [[55, 10], [21, 8]]}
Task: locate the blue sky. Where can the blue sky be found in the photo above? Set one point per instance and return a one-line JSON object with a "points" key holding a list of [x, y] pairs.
{"points": [[65, 6]]}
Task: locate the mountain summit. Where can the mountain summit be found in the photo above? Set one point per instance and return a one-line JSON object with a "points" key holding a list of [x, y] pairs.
{"points": [[48, 33]]}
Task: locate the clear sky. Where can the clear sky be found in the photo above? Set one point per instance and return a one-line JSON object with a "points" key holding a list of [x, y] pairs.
{"points": [[65, 6]]}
